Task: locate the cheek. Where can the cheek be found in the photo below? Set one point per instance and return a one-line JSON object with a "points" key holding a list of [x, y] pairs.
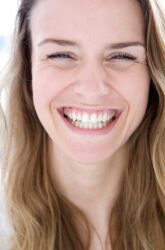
{"points": [[134, 87], [43, 94], [135, 91], [46, 85], [141, 91]]}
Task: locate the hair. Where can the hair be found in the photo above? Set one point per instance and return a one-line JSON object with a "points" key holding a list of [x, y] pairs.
{"points": [[40, 215]]}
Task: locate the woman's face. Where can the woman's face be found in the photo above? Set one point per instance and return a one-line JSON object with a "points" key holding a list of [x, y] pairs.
{"points": [[88, 57]]}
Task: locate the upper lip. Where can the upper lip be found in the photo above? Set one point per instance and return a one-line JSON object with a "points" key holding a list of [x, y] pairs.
{"points": [[89, 107]]}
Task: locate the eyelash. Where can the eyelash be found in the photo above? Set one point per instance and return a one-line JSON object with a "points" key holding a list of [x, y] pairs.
{"points": [[60, 55], [123, 56]]}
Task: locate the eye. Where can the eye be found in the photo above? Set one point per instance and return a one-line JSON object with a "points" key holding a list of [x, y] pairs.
{"points": [[123, 56], [62, 60], [60, 56], [120, 61]]}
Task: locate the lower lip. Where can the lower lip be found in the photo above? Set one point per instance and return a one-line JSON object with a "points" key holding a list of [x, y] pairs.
{"points": [[80, 131]]}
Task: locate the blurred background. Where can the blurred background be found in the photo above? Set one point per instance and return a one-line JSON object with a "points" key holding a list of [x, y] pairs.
{"points": [[8, 10]]}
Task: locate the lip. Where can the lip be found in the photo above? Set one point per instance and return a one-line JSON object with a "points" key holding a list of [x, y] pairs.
{"points": [[88, 110], [89, 132]]}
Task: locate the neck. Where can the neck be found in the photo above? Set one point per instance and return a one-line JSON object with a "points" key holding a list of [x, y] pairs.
{"points": [[92, 187]]}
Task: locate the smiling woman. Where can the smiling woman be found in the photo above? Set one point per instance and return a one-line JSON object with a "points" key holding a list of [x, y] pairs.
{"points": [[83, 157]]}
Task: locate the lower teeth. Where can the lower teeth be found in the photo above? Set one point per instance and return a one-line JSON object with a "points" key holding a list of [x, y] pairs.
{"points": [[82, 125]]}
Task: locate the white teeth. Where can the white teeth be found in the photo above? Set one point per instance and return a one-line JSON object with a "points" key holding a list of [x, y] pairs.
{"points": [[77, 124], [79, 117], [86, 125], [100, 118], [89, 125], [93, 118], [105, 117], [74, 117], [85, 118], [100, 125]]}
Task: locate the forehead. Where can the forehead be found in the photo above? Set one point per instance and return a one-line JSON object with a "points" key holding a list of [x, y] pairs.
{"points": [[87, 19]]}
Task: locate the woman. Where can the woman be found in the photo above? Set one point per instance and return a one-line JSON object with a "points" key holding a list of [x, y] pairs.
{"points": [[84, 162]]}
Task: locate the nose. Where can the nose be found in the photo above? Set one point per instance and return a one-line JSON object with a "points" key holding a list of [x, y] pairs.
{"points": [[92, 81]]}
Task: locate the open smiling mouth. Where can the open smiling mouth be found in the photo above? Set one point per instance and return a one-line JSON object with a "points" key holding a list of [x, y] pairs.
{"points": [[88, 120]]}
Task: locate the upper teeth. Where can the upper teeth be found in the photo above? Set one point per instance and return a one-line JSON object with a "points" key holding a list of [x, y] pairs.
{"points": [[90, 118]]}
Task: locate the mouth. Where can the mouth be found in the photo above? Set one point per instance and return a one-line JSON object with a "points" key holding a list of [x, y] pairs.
{"points": [[89, 120]]}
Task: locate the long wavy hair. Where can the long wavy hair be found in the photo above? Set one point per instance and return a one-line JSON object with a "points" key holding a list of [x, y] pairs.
{"points": [[41, 216]]}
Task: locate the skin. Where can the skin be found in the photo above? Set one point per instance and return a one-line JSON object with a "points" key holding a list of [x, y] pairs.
{"points": [[92, 78]]}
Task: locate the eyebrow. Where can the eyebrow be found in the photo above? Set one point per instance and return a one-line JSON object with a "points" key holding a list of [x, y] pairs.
{"points": [[62, 42]]}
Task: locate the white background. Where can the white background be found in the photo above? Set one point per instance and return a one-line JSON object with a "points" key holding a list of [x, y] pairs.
{"points": [[8, 10]]}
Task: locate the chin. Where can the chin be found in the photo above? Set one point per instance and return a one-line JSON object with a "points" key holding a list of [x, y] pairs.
{"points": [[89, 157]]}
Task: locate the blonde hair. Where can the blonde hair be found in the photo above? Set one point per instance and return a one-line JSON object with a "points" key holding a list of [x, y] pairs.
{"points": [[41, 216]]}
